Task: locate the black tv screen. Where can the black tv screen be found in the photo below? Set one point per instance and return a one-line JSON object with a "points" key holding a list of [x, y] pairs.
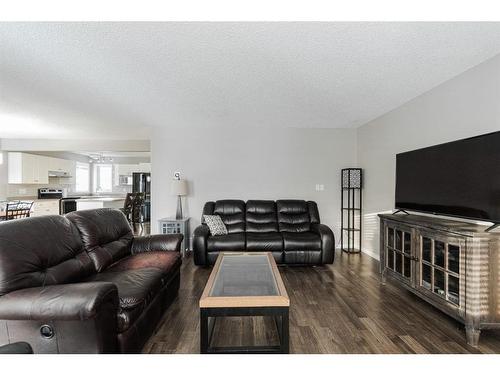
{"points": [[460, 178]]}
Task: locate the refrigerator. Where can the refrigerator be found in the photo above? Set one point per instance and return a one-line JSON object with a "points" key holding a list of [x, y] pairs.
{"points": [[141, 183]]}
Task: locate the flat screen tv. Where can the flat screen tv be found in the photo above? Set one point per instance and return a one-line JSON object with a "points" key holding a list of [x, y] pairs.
{"points": [[460, 178]]}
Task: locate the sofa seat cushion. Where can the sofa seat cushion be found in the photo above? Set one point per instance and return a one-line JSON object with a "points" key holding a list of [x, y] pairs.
{"points": [[167, 261], [227, 242], [302, 241], [136, 289], [264, 242]]}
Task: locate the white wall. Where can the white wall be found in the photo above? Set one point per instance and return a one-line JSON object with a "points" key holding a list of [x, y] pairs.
{"points": [[465, 106], [252, 163]]}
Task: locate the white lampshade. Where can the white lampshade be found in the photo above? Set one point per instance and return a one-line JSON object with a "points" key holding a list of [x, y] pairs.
{"points": [[179, 187]]}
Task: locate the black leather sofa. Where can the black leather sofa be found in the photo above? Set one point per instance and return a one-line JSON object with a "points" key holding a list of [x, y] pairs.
{"points": [[83, 283], [289, 229]]}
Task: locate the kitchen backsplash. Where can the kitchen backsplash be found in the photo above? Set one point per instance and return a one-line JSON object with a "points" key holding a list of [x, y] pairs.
{"points": [[29, 190], [19, 190]]}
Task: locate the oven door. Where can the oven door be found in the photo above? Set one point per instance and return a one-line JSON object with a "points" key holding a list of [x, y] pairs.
{"points": [[67, 205]]}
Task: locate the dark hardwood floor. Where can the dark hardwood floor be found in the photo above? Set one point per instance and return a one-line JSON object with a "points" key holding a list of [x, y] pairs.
{"points": [[340, 308]]}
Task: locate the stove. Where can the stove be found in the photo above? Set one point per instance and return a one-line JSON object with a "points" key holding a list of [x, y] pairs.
{"points": [[46, 193]]}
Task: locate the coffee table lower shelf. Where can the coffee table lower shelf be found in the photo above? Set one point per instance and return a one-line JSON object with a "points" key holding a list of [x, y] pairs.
{"points": [[208, 316]]}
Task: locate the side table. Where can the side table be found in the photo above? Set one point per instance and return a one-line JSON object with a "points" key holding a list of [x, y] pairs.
{"points": [[170, 225]]}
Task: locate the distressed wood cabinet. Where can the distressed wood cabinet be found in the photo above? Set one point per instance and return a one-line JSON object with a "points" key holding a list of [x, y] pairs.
{"points": [[450, 264]]}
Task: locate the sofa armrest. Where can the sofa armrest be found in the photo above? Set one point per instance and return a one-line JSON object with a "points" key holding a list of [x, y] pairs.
{"points": [[157, 242], [81, 301], [64, 318], [327, 242], [200, 237]]}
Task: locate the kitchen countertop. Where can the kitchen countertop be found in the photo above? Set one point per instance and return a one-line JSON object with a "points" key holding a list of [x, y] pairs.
{"points": [[102, 199], [29, 198], [85, 197]]}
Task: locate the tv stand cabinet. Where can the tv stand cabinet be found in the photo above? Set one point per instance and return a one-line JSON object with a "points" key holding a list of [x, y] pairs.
{"points": [[452, 265]]}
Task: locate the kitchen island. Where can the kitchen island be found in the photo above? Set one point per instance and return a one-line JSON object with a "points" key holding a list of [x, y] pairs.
{"points": [[99, 202], [41, 207]]}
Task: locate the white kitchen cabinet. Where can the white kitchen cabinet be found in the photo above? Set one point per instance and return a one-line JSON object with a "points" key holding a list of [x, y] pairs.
{"points": [[144, 168], [127, 170], [26, 168], [123, 170], [54, 164], [45, 207], [41, 169], [62, 166]]}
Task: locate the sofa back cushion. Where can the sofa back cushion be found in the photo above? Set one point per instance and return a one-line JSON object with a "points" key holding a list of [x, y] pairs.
{"points": [[293, 216], [261, 216], [41, 251], [232, 213], [106, 234]]}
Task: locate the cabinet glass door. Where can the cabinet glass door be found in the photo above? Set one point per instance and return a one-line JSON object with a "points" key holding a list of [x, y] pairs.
{"points": [[453, 289], [440, 267], [439, 282], [398, 251], [453, 258], [426, 249], [426, 276], [390, 259], [439, 253]]}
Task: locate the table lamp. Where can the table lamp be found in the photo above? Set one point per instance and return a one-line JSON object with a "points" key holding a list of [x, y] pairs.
{"points": [[179, 188]]}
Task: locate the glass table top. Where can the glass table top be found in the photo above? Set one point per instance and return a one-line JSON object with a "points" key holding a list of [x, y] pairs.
{"points": [[244, 275]]}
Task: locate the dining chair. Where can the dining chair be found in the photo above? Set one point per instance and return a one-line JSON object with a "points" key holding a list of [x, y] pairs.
{"points": [[128, 206], [18, 210], [137, 216]]}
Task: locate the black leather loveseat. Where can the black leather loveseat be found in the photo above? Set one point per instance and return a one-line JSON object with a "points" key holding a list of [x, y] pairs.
{"points": [[289, 229], [83, 283]]}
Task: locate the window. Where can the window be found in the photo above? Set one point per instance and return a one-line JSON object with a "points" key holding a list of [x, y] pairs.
{"points": [[104, 178], [82, 178]]}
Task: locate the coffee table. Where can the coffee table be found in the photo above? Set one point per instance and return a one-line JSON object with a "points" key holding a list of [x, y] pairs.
{"points": [[244, 284]]}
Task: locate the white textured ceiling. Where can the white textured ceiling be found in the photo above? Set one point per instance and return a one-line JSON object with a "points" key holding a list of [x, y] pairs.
{"points": [[117, 80]]}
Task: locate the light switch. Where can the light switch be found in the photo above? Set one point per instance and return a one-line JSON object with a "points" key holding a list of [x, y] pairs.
{"points": [[320, 187]]}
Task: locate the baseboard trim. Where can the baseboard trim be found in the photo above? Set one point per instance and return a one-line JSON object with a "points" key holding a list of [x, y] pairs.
{"points": [[371, 254]]}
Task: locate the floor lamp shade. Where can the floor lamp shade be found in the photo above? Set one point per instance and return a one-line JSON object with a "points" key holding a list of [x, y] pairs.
{"points": [[179, 188]]}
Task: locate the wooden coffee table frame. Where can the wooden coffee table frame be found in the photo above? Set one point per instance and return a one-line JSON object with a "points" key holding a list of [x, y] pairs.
{"points": [[275, 306]]}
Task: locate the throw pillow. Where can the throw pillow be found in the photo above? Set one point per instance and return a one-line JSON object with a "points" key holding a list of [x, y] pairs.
{"points": [[215, 224]]}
